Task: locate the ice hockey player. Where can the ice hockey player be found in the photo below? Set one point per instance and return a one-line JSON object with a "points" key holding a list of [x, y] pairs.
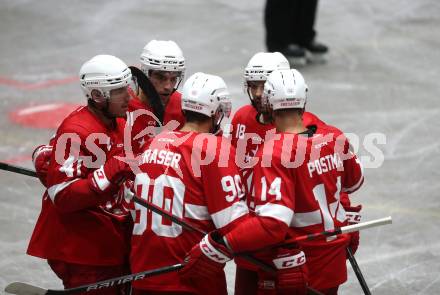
{"points": [[297, 185], [164, 65], [251, 124], [83, 230], [186, 173]]}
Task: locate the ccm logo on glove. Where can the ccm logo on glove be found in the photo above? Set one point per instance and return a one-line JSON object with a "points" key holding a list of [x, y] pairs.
{"points": [[290, 261], [211, 252]]}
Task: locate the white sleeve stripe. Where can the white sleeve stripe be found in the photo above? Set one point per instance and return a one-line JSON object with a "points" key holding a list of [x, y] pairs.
{"points": [[55, 189], [279, 212], [306, 219], [354, 187], [196, 212], [229, 214]]}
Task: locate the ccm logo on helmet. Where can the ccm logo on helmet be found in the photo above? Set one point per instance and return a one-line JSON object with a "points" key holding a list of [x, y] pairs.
{"points": [[257, 72], [92, 83]]}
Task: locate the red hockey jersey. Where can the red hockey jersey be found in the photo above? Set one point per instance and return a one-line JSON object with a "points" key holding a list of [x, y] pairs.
{"points": [[247, 134], [245, 122], [143, 123], [193, 176], [298, 182], [77, 225]]}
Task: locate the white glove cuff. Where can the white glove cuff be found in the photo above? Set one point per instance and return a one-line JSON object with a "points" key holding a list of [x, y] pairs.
{"points": [[211, 252], [100, 179], [290, 261]]}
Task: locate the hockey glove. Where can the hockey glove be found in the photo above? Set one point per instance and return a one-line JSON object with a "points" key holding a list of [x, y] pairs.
{"points": [[291, 277], [108, 178], [204, 263], [41, 159], [353, 217]]}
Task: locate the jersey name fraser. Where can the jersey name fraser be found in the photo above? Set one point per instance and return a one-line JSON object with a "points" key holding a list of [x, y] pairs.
{"points": [[163, 157]]}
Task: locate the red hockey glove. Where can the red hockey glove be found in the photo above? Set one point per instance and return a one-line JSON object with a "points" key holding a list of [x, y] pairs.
{"points": [[204, 263], [353, 216], [108, 178], [291, 277], [41, 158]]}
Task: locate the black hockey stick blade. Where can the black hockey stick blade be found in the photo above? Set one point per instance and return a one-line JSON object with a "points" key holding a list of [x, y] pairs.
{"points": [[16, 169], [149, 90], [24, 289], [19, 288], [358, 272]]}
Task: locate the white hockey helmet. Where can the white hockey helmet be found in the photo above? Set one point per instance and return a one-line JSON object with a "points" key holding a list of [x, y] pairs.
{"points": [[161, 55], [285, 89], [104, 73], [207, 95], [262, 64]]}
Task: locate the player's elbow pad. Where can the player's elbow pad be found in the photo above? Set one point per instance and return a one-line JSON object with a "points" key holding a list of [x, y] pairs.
{"points": [[256, 233]]}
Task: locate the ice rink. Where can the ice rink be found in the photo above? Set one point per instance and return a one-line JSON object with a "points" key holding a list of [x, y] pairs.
{"points": [[382, 76]]}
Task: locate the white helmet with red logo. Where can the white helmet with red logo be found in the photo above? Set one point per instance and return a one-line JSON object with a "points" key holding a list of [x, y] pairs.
{"points": [[206, 94], [104, 73], [285, 89]]}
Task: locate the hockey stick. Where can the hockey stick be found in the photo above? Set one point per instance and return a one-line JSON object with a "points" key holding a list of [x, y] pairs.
{"points": [[345, 229], [333, 232], [16, 169], [186, 224], [158, 210], [173, 218], [28, 289], [151, 93], [358, 272]]}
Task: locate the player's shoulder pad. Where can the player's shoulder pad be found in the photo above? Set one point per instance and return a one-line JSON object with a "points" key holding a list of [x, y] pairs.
{"points": [[244, 112], [80, 122], [312, 119]]}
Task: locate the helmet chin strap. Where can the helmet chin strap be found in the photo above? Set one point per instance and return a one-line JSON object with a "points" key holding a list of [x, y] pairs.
{"points": [[216, 125], [176, 87], [252, 101]]}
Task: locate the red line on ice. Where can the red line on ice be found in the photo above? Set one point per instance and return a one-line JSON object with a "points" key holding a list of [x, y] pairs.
{"points": [[39, 85]]}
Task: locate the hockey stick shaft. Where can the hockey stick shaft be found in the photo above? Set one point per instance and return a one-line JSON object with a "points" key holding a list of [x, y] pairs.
{"points": [[192, 227], [159, 211], [358, 272], [344, 229], [26, 289], [334, 232], [17, 169], [151, 93]]}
